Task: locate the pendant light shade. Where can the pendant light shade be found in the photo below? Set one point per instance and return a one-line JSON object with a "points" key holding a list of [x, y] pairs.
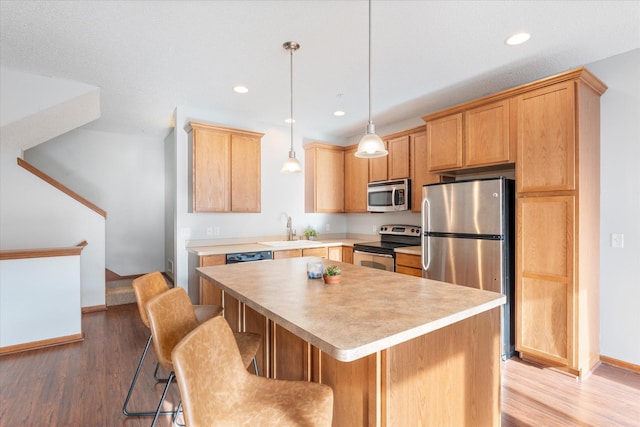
{"points": [[370, 146], [291, 165]]}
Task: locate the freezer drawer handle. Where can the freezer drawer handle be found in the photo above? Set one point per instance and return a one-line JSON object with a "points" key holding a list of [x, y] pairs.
{"points": [[425, 233]]}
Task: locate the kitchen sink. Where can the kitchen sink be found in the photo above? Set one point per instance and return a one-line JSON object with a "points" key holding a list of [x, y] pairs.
{"points": [[286, 243]]}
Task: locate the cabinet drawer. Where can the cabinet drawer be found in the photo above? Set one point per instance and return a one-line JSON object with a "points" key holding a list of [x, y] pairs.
{"points": [[291, 253], [409, 270], [408, 261], [321, 252]]}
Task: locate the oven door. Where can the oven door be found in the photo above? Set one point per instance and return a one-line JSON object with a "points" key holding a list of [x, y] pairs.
{"points": [[379, 261]]}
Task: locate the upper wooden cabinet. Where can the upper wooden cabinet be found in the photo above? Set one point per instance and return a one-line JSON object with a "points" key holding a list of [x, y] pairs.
{"points": [[444, 143], [420, 174], [546, 139], [473, 138], [488, 135], [225, 168], [356, 178], [324, 178], [396, 164]]}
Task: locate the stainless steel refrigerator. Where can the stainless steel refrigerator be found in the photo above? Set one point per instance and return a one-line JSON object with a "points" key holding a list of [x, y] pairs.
{"points": [[468, 239]]}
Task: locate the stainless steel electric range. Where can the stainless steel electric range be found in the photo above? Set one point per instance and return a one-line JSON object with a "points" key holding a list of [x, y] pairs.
{"points": [[381, 254]]}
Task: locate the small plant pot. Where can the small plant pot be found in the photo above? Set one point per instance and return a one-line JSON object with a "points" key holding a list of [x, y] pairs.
{"points": [[331, 280]]}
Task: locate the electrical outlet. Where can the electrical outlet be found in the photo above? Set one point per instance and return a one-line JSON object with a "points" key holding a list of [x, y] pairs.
{"points": [[374, 228], [327, 227], [216, 231], [185, 232], [209, 231], [617, 240], [169, 266]]}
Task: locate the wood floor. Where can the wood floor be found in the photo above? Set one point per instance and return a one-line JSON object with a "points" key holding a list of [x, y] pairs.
{"points": [[85, 384]]}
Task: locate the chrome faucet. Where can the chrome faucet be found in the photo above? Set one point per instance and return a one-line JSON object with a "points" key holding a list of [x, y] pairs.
{"points": [[289, 229]]}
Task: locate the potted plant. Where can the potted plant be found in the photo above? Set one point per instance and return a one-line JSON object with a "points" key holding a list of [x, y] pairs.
{"points": [[310, 233], [332, 275]]}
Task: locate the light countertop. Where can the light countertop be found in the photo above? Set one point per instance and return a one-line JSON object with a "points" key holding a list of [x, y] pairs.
{"points": [[370, 310], [230, 248]]}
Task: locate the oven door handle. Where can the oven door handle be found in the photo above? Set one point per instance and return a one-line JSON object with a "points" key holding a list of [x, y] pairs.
{"points": [[373, 253]]}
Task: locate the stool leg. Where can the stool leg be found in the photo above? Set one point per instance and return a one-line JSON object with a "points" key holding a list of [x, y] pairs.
{"points": [[125, 411], [164, 395], [255, 366]]}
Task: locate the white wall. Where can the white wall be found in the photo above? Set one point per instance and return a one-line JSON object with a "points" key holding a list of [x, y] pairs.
{"points": [[28, 291], [620, 206], [34, 214], [281, 193], [124, 175]]}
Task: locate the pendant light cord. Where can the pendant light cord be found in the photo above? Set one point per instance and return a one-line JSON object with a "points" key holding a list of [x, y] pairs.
{"points": [[370, 122], [291, 92]]}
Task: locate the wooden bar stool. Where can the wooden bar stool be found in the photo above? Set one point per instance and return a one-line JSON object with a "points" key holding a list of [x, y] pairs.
{"points": [[217, 390], [147, 287]]}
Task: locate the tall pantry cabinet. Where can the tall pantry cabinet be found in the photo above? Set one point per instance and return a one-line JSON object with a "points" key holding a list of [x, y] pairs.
{"points": [[550, 129], [558, 221]]}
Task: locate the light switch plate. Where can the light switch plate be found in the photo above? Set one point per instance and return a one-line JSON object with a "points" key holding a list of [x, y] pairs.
{"points": [[617, 240]]}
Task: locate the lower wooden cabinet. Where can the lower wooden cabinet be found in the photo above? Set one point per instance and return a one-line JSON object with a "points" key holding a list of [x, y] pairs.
{"points": [[209, 294], [409, 264], [335, 253], [347, 254], [545, 306], [321, 252]]}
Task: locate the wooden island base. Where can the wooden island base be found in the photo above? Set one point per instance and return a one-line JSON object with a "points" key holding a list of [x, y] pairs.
{"points": [[449, 377]]}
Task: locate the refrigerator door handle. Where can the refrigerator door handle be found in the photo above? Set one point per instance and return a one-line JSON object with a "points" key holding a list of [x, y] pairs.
{"points": [[426, 255]]}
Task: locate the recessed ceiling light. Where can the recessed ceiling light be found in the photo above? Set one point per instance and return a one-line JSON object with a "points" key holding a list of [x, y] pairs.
{"points": [[339, 113], [240, 89], [517, 39]]}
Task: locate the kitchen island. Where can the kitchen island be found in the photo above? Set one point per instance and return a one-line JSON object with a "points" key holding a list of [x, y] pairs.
{"points": [[397, 350]]}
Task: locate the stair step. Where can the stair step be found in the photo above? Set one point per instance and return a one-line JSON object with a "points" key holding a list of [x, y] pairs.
{"points": [[119, 292]]}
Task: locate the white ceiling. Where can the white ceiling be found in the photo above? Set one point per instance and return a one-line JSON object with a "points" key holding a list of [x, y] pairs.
{"points": [[150, 56]]}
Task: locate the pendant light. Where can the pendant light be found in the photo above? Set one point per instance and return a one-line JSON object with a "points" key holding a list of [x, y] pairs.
{"points": [[291, 165], [370, 146]]}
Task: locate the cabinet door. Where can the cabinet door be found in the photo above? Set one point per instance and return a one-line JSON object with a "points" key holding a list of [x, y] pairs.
{"points": [[546, 139], [347, 255], [335, 253], [356, 177], [209, 293], [444, 143], [324, 178], [487, 135], [545, 278], [378, 168], [398, 161], [420, 174], [245, 173], [211, 171]]}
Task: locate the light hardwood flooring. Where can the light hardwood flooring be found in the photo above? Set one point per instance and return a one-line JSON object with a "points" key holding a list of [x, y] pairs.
{"points": [[85, 384]]}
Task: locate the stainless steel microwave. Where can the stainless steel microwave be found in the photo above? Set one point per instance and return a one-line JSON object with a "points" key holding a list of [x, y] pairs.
{"points": [[389, 196]]}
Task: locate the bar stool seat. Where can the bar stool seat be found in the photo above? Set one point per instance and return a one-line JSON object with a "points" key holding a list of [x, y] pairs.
{"points": [[217, 390]]}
